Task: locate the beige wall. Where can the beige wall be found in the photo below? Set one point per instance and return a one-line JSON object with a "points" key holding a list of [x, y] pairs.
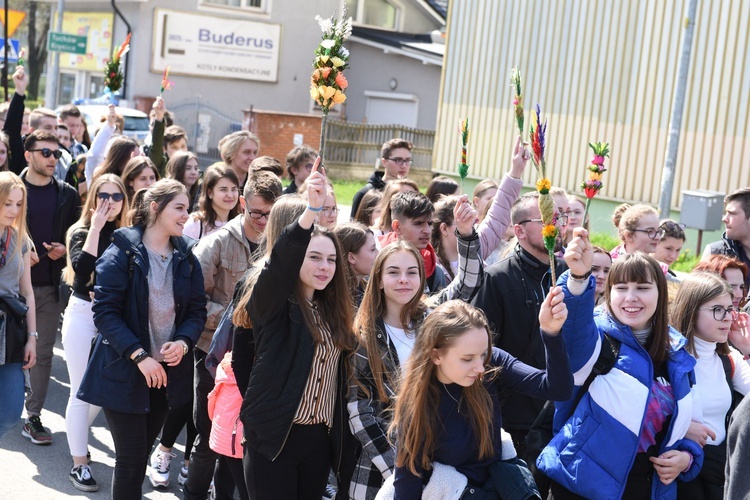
{"points": [[601, 70]]}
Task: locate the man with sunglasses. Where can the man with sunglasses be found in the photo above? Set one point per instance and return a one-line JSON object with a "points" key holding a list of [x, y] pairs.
{"points": [[396, 159], [224, 256], [735, 241], [53, 206]]}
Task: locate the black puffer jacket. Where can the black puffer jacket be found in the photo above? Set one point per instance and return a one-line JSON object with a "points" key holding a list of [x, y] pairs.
{"points": [[511, 297], [284, 351]]}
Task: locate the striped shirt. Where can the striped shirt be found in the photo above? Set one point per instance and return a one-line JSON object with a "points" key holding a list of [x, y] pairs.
{"points": [[319, 397]]}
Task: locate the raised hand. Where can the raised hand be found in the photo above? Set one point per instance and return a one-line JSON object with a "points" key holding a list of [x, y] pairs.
{"points": [[20, 80], [465, 216], [521, 157], [553, 312], [738, 334], [317, 186], [579, 253], [159, 108], [112, 116], [100, 215]]}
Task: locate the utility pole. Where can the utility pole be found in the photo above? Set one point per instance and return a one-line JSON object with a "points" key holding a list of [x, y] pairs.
{"points": [[675, 122], [50, 92]]}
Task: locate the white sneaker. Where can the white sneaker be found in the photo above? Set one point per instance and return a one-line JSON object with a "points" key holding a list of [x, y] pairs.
{"points": [[159, 473]]}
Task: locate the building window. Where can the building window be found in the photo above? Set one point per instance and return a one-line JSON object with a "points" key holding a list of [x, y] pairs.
{"points": [[376, 13], [238, 4]]}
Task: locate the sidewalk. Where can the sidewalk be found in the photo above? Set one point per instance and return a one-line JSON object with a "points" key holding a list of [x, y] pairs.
{"points": [[33, 472]]}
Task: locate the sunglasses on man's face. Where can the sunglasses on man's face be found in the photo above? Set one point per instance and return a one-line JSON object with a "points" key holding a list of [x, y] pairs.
{"points": [[47, 152], [115, 196]]}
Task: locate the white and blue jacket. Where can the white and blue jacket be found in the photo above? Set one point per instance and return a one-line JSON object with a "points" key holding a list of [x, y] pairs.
{"points": [[593, 451]]}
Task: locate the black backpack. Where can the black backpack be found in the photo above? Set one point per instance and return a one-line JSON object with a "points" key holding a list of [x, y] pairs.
{"points": [[541, 433]]}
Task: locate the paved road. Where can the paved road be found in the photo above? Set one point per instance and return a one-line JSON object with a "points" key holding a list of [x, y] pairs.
{"points": [[33, 472]]}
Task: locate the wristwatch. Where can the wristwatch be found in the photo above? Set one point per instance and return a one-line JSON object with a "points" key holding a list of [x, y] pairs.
{"points": [[34, 334], [184, 347]]}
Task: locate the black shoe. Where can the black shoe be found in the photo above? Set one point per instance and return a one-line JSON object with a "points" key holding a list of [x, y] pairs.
{"points": [[34, 430], [80, 476]]}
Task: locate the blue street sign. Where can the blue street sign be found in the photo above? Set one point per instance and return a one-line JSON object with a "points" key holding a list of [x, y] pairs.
{"points": [[15, 47]]}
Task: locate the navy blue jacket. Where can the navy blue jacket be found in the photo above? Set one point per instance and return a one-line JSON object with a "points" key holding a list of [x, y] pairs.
{"points": [[121, 315]]}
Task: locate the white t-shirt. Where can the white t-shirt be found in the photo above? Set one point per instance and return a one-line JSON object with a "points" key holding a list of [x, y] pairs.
{"points": [[192, 228], [403, 343]]}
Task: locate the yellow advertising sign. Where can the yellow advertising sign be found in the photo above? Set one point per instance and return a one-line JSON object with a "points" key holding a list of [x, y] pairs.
{"points": [[15, 18], [97, 26]]}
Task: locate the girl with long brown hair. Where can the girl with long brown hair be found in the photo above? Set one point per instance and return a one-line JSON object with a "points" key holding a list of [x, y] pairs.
{"points": [[448, 408], [642, 407], [183, 166], [103, 212], [300, 310], [219, 202], [392, 310]]}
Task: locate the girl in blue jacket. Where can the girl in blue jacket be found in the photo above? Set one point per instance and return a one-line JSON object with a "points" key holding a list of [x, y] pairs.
{"points": [[149, 308], [626, 437]]}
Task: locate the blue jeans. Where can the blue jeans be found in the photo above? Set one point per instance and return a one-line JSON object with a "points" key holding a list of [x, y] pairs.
{"points": [[11, 395]]}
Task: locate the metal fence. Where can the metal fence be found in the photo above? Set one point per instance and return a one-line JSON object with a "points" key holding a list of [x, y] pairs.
{"points": [[205, 126], [360, 143]]}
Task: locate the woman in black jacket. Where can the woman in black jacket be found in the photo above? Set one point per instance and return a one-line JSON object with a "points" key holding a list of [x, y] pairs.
{"points": [[149, 308], [103, 212], [301, 313]]}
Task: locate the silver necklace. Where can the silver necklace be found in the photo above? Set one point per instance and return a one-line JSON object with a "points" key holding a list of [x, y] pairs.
{"points": [[163, 257], [458, 401]]}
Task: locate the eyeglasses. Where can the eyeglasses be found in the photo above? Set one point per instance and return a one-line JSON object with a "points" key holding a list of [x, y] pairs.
{"points": [[329, 211], [47, 152], [558, 219], [258, 215], [401, 161], [654, 234], [115, 196], [720, 312]]}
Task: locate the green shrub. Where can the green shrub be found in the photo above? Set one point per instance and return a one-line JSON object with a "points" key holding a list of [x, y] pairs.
{"points": [[686, 262], [604, 240]]}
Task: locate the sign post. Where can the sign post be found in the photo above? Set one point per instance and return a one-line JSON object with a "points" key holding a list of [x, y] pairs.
{"points": [[64, 42]]}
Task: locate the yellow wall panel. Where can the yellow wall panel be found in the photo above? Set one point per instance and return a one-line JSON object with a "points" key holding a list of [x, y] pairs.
{"points": [[601, 70]]}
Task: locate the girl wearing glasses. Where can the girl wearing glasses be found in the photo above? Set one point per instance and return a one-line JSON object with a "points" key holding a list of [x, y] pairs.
{"points": [[87, 239], [219, 202], [642, 407], [703, 311], [732, 270], [638, 227]]}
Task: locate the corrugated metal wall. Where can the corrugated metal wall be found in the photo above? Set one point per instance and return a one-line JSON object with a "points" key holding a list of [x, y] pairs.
{"points": [[601, 70]]}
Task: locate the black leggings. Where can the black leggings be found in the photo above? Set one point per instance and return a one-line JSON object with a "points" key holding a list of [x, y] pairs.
{"points": [[177, 418], [299, 472], [134, 435]]}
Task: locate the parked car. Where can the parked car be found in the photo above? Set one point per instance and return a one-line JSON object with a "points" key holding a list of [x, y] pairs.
{"points": [[136, 122]]}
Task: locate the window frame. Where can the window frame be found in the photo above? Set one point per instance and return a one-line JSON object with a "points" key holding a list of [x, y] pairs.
{"points": [[212, 6], [398, 21]]}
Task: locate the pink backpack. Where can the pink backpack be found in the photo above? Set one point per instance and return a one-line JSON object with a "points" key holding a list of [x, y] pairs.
{"points": [[224, 403]]}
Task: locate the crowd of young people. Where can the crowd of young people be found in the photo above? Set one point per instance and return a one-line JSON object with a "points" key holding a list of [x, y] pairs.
{"points": [[406, 353]]}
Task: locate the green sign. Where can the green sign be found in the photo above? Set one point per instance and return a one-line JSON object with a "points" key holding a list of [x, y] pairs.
{"points": [[65, 42]]}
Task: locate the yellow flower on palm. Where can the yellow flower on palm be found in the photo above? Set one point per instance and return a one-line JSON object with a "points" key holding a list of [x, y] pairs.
{"points": [[337, 62], [549, 231], [323, 59], [326, 92], [338, 97], [595, 176], [543, 185]]}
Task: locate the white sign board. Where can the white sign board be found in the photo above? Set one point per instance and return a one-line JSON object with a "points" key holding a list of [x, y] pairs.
{"points": [[215, 47]]}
